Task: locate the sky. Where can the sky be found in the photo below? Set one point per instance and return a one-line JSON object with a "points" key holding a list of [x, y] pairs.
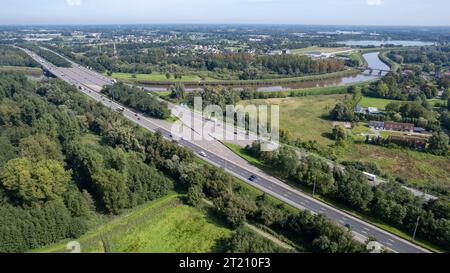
{"points": [[322, 12]]}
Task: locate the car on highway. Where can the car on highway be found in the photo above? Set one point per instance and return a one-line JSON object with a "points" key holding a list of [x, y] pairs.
{"points": [[252, 177], [202, 154]]}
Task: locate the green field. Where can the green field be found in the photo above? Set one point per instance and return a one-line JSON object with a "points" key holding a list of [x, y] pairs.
{"points": [[381, 103], [375, 102], [163, 226], [303, 116], [153, 77]]}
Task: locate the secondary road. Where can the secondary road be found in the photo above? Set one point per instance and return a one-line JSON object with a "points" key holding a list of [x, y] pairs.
{"points": [[217, 154]]}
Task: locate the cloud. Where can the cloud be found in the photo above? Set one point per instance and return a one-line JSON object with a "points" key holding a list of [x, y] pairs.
{"points": [[73, 3], [374, 2]]}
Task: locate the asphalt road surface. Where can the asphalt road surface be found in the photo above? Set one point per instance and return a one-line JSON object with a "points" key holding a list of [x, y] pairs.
{"points": [[214, 152]]}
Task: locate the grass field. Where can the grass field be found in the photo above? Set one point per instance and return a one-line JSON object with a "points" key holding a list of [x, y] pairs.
{"points": [[153, 77], [163, 226], [381, 103], [375, 102], [418, 167], [302, 116]]}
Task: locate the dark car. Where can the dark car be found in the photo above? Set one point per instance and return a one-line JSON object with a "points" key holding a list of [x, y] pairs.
{"points": [[348, 226], [252, 177]]}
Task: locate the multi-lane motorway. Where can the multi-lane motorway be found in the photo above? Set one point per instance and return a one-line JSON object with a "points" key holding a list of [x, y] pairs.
{"points": [[90, 83]]}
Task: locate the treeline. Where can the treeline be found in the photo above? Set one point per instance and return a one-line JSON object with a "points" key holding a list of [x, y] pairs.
{"points": [[138, 99], [254, 67], [245, 240], [48, 55], [300, 65], [431, 58], [388, 202], [11, 56], [401, 87]]}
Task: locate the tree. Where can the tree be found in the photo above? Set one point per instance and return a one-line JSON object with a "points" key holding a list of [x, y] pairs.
{"points": [[194, 196], [177, 91], [382, 89], [339, 134], [438, 143], [286, 161], [34, 182], [353, 188], [39, 147], [342, 112], [112, 188], [244, 240], [316, 171]]}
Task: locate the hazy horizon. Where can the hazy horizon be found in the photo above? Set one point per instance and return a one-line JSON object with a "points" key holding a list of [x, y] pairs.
{"points": [[232, 12]]}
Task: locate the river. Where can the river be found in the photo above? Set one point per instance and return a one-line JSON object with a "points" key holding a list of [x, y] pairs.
{"points": [[372, 59]]}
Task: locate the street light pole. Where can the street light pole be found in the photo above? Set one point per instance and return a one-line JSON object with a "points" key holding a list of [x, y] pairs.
{"points": [[314, 188], [415, 230]]}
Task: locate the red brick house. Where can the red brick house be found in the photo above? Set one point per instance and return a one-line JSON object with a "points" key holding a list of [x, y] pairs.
{"points": [[396, 126]]}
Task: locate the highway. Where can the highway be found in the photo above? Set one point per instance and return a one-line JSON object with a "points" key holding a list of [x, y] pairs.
{"points": [[217, 154]]}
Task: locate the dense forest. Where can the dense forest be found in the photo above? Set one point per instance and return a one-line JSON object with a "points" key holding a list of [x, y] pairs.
{"points": [[430, 58], [15, 57], [138, 99], [51, 180], [48, 55], [65, 159]]}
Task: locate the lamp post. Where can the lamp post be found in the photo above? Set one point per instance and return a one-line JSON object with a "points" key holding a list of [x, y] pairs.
{"points": [[415, 229]]}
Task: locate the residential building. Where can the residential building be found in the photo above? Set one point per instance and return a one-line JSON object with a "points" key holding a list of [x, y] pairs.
{"points": [[396, 126], [379, 125]]}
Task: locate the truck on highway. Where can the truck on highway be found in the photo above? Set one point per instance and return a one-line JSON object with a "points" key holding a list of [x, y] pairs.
{"points": [[370, 177]]}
